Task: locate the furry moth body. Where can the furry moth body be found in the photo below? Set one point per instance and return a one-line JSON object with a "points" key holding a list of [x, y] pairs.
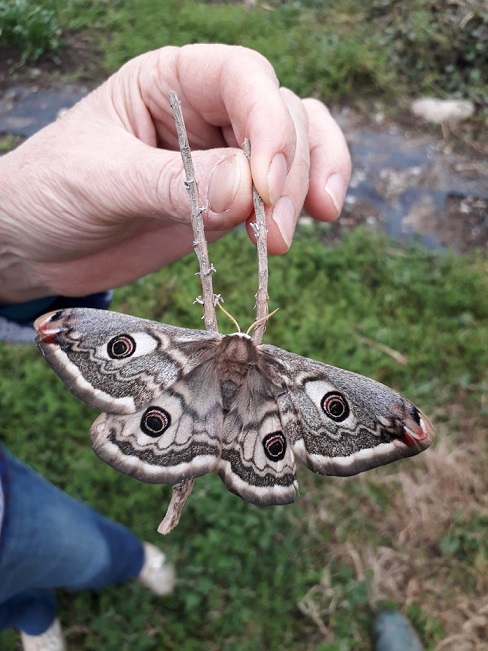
{"points": [[180, 403]]}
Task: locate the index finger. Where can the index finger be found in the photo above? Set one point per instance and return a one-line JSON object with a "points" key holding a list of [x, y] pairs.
{"points": [[228, 93]]}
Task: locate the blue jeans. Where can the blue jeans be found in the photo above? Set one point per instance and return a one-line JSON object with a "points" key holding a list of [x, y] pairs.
{"points": [[50, 540]]}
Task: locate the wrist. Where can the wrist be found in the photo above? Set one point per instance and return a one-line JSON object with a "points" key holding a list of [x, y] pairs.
{"points": [[19, 281]]}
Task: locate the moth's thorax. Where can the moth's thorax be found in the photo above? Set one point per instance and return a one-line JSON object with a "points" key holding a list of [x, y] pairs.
{"points": [[237, 354]]}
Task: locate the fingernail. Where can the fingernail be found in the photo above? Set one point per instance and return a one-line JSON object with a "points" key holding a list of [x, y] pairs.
{"points": [[223, 184], [336, 190], [276, 177], [284, 218]]}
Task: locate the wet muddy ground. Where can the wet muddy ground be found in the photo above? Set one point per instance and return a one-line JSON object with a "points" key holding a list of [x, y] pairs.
{"points": [[414, 184], [408, 182]]}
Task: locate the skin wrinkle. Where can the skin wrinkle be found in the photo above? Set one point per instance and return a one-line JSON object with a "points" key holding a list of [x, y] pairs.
{"points": [[242, 206], [168, 185], [228, 79], [153, 87], [125, 251], [51, 200], [322, 164], [261, 143], [160, 241], [126, 100], [301, 156], [63, 197], [147, 132], [111, 94]]}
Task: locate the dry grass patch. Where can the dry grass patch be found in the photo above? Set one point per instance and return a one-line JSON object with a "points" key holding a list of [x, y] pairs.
{"points": [[414, 537]]}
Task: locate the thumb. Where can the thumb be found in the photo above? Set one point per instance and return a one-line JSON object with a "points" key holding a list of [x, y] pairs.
{"points": [[155, 184]]}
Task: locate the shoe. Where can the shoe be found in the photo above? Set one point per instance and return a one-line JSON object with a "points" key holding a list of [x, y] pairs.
{"points": [[156, 575], [50, 640], [393, 632]]}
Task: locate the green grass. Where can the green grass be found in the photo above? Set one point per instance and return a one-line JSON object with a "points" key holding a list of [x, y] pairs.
{"points": [[32, 27], [350, 49], [243, 569], [37, 28], [311, 54], [354, 49]]}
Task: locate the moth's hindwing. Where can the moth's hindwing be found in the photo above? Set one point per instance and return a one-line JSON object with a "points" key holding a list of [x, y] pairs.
{"points": [[257, 461], [176, 437]]}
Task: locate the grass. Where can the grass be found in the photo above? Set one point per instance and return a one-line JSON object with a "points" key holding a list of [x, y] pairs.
{"points": [[379, 48], [310, 54], [307, 576], [32, 27]]}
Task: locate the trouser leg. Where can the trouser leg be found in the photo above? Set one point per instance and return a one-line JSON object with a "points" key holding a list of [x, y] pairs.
{"points": [[32, 611], [51, 540]]}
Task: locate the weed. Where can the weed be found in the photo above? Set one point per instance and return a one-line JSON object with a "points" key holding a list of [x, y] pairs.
{"points": [[33, 28], [439, 48]]}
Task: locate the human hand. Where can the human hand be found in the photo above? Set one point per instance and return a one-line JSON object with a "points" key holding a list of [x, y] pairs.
{"points": [[97, 199]]}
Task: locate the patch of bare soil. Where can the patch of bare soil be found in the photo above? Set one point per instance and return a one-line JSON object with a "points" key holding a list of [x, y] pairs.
{"points": [[79, 59], [409, 179]]}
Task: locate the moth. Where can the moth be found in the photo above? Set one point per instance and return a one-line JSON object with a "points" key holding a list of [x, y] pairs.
{"points": [[180, 403]]}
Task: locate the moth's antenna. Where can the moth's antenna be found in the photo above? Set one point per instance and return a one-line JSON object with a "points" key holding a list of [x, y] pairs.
{"points": [[229, 316], [261, 234], [268, 316]]}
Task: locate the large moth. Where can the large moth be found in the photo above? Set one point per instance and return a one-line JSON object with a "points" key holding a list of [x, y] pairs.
{"points": [[179, 403]]}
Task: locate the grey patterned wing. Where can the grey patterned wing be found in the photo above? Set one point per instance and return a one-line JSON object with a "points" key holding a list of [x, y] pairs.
{"points": [[342, 423], [176, 437], [116, 362], [256, 461]]}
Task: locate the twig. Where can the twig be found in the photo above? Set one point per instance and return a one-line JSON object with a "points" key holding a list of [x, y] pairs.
{"points": [[199, 241], [261, 234], [399, 358], [181, 491]]}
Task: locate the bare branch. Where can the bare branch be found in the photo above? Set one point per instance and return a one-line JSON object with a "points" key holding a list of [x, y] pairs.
{"points": [[181, 491], [261, 234], [199, 241]]}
